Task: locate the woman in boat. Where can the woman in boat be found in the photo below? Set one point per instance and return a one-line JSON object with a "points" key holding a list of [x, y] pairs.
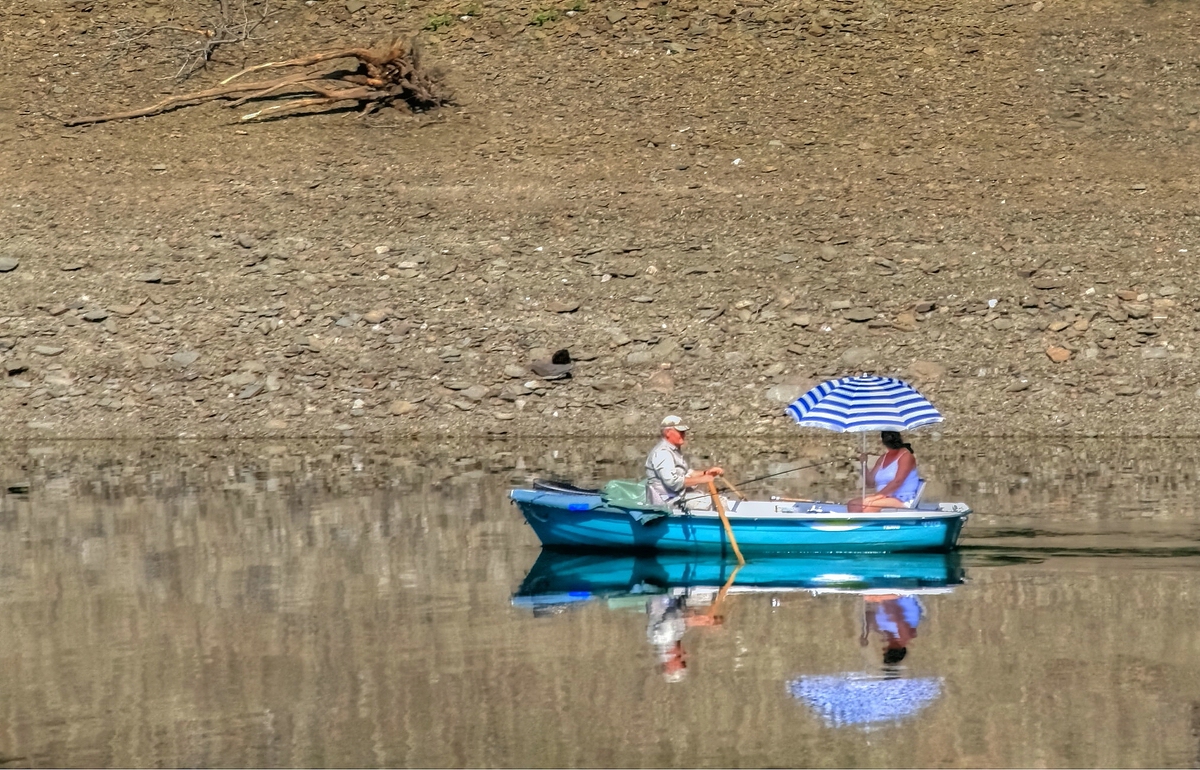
{"points": [[894, 476]]}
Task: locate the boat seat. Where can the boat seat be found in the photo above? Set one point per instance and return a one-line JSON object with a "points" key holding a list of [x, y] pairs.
{"points": [[913, 503]]}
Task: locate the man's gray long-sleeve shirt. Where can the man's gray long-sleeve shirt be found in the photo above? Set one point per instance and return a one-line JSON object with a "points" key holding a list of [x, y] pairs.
{"points": [[665, 471]]}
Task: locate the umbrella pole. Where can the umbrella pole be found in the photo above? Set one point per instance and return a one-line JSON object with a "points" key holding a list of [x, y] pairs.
{"points": [[863, 466]]}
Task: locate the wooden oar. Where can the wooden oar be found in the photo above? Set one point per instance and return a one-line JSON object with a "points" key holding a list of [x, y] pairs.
{"points": [[716, 499], [717, 603]]}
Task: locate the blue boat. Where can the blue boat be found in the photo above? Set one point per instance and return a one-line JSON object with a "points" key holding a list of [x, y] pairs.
{"points": [[615, 518], [562, 578]]}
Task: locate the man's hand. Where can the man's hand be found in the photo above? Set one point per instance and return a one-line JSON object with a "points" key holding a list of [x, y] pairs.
{"points": [[716, 470]]}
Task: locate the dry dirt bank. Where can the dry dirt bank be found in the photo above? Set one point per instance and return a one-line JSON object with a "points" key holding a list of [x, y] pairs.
{"points": [[711, 204]]}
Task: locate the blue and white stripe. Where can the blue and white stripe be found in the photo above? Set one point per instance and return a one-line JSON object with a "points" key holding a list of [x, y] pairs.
{"points": [[862, 700], [863, 403]]}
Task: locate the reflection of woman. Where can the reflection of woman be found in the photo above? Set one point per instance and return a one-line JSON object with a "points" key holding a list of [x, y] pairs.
{"points": [[895, 618], [894, 476]]}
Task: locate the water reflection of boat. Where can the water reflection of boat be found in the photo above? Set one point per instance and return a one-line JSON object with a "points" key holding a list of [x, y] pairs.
{"points": [[679, 592], [559, 578]]}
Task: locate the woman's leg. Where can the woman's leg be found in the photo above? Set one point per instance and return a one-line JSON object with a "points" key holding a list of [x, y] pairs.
{"points": [[872, 503]]}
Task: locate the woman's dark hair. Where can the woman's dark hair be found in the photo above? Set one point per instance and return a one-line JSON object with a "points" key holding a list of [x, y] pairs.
{"points": [[894, 655], [891, 439]]}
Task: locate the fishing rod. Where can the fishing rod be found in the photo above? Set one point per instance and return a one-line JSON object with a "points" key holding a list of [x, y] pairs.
{"points": [[572, 489], [685, 498], [789, 470]]}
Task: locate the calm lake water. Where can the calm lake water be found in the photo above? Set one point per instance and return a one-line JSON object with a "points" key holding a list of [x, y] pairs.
{"points": [[363, 605]]}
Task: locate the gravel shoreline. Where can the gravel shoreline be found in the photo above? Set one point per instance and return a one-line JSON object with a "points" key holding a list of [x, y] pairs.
{"points": [[710, 208]]}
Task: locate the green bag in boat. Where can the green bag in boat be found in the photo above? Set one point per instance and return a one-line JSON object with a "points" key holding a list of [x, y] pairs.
{"points": [[631, 495]]}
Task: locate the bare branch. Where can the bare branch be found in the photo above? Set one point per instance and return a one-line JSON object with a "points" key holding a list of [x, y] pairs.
{"points": [[193, 46]]}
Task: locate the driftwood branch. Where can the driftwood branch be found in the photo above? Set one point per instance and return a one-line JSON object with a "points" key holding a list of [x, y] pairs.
{"points": [[383, 76]]}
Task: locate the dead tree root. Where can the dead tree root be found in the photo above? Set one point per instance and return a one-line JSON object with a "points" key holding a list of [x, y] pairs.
{"points": [[391, 76]]}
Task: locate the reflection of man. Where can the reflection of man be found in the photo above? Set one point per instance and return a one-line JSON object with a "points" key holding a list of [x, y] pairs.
{"points": [[669, 618], [668, 475], [895, 617]]}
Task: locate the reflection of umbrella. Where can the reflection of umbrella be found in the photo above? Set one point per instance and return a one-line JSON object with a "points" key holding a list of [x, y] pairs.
{"points": [[864, 403], [864, 701]]}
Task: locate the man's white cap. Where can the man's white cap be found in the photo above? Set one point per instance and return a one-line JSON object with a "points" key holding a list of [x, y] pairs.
{"points": [[672, 421]]}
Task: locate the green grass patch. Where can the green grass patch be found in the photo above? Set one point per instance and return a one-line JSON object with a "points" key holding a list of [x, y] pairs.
{"points": [[437, 22], [548, 16]]}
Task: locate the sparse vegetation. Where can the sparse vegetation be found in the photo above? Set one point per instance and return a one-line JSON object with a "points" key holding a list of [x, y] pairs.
{"points": [[437, 22], [194, 43], [546, 16]]}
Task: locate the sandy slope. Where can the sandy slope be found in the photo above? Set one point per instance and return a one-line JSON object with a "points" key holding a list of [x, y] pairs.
{"points": [[697, 198]]}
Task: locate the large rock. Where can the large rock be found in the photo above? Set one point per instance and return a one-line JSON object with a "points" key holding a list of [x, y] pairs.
{"points": [[1058, 354], [926, 371], [859, 314], [906, 322], [556, 367], [401, 407], [857, 356], [784, 393], [477, 393], [661, 382]]}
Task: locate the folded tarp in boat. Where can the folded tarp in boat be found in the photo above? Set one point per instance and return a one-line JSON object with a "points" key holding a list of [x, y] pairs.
{"points": [[630, 495]]}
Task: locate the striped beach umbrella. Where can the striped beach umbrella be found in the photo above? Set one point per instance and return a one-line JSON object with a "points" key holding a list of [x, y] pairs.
{"points": [[863, 403]]}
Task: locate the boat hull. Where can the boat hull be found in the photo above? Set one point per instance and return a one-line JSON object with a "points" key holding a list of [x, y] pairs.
{"points": [[581, 521]]}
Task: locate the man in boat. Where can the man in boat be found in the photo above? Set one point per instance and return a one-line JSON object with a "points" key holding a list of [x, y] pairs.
{"points": [[668, 475]]}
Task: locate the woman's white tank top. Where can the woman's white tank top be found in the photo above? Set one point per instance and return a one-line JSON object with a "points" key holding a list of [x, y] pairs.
{"points": [[907, 490]]}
